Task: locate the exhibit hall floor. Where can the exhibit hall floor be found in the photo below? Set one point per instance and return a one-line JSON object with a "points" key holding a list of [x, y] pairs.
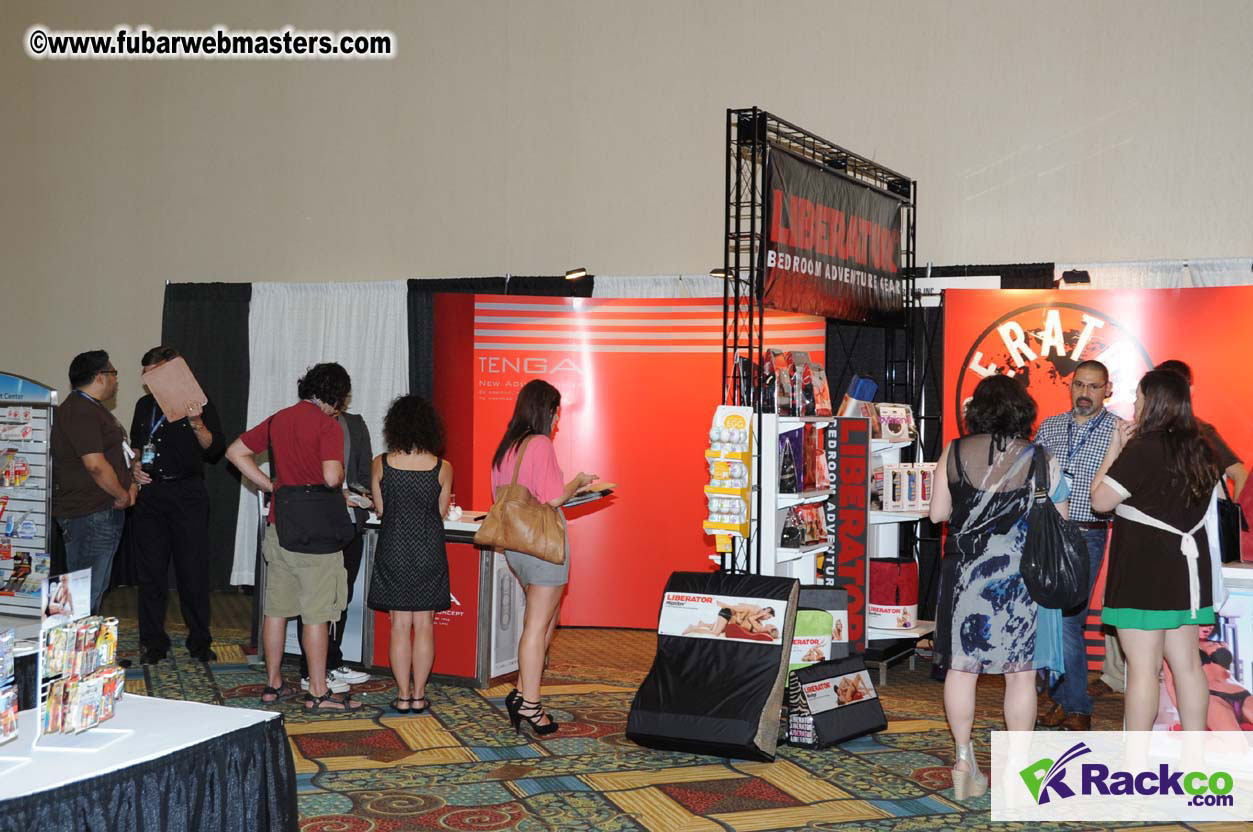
{"points": [[461, 767]]}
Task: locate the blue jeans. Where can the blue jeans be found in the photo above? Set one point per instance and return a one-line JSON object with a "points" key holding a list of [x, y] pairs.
{"points": [[91, 542], [1071, 692]]}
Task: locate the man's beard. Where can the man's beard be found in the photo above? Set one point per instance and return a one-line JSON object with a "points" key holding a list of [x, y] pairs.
{"points": [[1084, 406]]}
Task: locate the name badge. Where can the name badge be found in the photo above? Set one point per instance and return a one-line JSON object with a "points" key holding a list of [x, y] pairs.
{"points": [[1070, 481], [149, 455]]}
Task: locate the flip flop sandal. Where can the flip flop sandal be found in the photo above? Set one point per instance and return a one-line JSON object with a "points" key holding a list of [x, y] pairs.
{"points": [[319, 703], [279, 694], [396, 706], [414, 709]]}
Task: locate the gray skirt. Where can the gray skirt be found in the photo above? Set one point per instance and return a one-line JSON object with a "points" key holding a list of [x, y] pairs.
{"points": [[533, 570]]}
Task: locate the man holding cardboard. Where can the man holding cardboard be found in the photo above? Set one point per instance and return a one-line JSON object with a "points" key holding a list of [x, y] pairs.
{"points": [[171, 517]]}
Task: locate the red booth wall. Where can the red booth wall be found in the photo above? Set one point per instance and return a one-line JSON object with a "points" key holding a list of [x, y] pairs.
{"points": [[639, 379], [1040, 336]]}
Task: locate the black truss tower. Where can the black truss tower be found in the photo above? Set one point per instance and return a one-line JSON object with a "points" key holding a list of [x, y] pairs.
{"points": [[751, 133]]}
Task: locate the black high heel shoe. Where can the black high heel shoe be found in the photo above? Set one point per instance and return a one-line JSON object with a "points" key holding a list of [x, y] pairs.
{"points": [[535, 712], [509, 699]]}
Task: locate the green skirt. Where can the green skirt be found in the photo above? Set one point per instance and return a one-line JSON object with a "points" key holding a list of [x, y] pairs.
{"points": [[1130, 618]]}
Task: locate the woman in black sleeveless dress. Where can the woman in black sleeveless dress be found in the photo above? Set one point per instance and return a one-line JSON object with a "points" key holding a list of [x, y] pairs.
{"points": [[412, 488]]}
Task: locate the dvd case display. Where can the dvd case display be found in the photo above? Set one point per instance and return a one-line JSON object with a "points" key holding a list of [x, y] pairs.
{"points": [[8, 693], [80, 683]]}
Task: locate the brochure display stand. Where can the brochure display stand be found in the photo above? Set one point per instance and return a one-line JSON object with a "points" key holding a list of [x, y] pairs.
{"points": [[26, 409], [79, 680]]}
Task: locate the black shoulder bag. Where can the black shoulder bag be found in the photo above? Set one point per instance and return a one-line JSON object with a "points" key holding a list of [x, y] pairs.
{"points": [[1231, 521], [1055, 556], [312, 519]]}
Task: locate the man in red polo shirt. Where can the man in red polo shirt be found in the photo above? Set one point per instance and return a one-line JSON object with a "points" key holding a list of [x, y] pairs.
{"points": [[308, 445]]}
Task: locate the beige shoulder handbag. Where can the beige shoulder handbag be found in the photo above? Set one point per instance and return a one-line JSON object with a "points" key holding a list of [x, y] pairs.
{"points": [[518, 521]]}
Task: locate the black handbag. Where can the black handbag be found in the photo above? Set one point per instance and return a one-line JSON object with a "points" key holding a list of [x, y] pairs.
{"points": [[1055, 556], [311, 519], [1231, 521]]}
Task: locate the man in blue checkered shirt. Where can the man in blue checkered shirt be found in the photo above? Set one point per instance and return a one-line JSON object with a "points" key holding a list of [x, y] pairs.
{"points": [[1078, 439]]}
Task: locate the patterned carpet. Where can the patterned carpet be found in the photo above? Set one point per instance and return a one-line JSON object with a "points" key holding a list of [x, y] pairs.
{"points": [[461, 767]]}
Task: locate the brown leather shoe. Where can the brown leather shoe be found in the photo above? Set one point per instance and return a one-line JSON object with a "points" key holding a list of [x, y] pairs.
{"points": [[1076, 722], [1052, 717], [1098, 688]]}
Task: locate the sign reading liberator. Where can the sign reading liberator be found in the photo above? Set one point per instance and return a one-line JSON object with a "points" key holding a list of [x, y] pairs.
{"points": [[834, 246]]}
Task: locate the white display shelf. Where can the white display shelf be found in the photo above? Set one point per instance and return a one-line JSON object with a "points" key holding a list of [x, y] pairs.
{"points": [[793, 422], [785, 554], [818, 495], [880, 445], [878, 518], [920, 629]]}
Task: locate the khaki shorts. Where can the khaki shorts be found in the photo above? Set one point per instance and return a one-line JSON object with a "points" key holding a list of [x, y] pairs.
{"points": [[314, 587]]}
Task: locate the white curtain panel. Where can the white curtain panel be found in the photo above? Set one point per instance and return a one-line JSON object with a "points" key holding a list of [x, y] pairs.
{"points": [[658, 286], [291, 327], [1161, 274]]}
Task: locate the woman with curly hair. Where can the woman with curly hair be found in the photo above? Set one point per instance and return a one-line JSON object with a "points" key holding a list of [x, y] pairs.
{"points": [[1157, 478], [986, 621], [412, 488]]}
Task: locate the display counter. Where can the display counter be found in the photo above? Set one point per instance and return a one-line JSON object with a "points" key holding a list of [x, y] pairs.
{"points": [[476, 640], [165, 765]]}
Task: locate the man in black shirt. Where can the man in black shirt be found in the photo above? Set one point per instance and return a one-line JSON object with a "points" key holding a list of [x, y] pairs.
{"points": [[171, 516]]}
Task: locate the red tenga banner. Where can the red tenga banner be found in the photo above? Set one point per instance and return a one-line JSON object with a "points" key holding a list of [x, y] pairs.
{"points": [[833, 246]]}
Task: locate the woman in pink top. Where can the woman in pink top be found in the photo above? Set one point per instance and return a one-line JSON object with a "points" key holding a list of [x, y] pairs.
{"points": [[535, 416]]}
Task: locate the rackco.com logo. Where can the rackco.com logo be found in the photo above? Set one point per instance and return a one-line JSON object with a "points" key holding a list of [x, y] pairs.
{"points": [[1046, 779]]}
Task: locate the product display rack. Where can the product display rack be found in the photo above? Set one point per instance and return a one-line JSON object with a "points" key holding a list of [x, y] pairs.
{"points": [[26, 414], [751, 134]]}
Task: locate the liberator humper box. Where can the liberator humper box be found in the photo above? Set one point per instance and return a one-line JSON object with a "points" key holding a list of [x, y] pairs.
{"points": [[833, 702], [716, 684], [834, 600]]}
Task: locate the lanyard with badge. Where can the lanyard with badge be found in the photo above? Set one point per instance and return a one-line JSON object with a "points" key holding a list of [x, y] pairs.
{"points": [[1072, 449], [127, 453], [149, 456]]}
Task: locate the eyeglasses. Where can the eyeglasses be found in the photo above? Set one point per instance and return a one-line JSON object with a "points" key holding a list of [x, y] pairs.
{"points": [[1079, 385]]}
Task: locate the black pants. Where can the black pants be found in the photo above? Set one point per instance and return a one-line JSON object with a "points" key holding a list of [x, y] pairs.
{"points": [[171, 521], [334, 652]]}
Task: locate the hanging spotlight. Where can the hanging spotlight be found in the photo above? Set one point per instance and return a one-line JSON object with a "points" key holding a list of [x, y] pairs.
{"points": [[719, 273], [575, 274]]}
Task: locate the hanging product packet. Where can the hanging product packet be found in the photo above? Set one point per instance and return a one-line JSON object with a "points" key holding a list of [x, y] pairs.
{"points": [[809, 476], [791, 461], [802, 384], [822, 391], [817, 458]]}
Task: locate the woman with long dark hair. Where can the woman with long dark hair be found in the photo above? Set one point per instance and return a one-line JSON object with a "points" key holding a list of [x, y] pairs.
{"points": [[535, 417], [986, 621], [1157, 478]]}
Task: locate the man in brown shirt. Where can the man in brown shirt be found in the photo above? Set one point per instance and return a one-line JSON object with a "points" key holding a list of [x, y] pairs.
{"points": [[91, 479]]}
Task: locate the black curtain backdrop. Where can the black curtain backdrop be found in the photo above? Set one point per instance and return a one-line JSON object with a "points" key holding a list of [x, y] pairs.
{"points": [[1013, 275], [421, 302], [208, 324]]}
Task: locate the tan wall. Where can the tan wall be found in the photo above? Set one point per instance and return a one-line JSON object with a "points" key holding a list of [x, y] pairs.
{"points": [[530, 137]]}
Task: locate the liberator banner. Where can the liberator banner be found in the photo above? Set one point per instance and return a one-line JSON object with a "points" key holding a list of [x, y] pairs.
{"points": [[833, 246]]}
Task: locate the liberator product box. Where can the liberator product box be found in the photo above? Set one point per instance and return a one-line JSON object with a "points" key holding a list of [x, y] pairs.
{"points": [[716, 684], [833, 702]]}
